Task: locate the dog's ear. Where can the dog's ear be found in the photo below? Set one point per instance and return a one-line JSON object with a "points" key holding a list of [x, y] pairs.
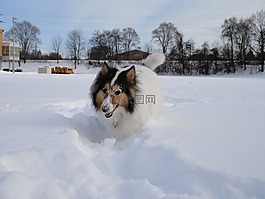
{"points": [[130, 74], [105, 69]]}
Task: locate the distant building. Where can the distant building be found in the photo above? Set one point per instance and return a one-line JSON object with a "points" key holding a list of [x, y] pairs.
{"points": [[1, 40], [7, 51], [135, 55]]}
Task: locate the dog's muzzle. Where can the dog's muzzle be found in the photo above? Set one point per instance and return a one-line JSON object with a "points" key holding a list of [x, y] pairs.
{"points": [[109, 114]]}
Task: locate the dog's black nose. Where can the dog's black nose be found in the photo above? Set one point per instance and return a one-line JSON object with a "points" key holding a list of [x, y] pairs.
{"points": [[105, 109]]}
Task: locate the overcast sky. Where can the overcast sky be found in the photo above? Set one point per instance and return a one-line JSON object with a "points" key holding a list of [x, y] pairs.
{"points": [[200, 20]]}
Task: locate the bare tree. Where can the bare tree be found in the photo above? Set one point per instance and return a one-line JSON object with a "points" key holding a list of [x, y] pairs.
{"points": [[75, 44], [259, 35], [110, 42], [129, 39], [229, 33], [205, 48], [180, 51], [148, 46], [57, 42], [216, 52], [205, 67], [27, 36], [105, 44], [190, 45], [243, 38], [165, 36], [116, 36]]}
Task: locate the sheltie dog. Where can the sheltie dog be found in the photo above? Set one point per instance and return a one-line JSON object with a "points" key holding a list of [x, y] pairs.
{"points": [[126, 98]]}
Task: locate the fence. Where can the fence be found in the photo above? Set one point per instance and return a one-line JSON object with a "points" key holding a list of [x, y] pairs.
{"points": [[206, 67]]}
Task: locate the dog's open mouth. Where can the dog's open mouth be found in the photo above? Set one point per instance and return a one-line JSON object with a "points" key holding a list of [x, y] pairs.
{"points": [[108, 115]]}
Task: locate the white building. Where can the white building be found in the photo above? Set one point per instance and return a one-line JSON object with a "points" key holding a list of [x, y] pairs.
{"points": [[7, 51], [1, 40]]}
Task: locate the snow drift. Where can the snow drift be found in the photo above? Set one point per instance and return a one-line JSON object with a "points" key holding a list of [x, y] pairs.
{"points": [[210, 143]]}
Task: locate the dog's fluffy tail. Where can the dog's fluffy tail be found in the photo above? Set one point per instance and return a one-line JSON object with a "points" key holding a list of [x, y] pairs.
{"points": [[154, 60]]}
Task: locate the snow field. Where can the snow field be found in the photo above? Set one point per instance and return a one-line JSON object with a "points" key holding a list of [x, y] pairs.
{"points": [[209, 143]]}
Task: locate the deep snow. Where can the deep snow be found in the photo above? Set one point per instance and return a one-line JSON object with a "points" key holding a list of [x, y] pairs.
{"points": [[209, 143]]}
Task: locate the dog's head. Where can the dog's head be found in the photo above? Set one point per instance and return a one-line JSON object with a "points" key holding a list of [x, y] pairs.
{"points": [[114, 89]]}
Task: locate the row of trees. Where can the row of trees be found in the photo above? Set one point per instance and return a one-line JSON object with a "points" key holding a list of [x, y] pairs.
{"points": [[241, 39], [106, 44], [244, 35]]}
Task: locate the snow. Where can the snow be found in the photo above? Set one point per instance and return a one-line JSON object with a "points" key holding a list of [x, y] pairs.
{"points": [[209, 143]]}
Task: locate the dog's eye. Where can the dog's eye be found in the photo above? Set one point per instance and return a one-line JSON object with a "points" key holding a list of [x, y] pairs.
{"points": [[105, 90], [117, 92]]}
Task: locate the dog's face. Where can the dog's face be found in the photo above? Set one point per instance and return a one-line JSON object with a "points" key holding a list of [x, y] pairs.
{"points": [[113, 89]]}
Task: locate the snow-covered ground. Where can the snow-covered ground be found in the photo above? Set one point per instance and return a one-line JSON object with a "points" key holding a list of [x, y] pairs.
{"points": [[209, 144]]}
